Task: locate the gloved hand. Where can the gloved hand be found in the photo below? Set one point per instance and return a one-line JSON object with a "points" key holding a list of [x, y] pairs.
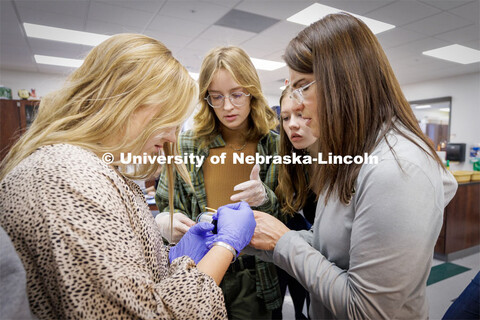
{"points": [[253, 190], [181, 224], [195, 243], [235, 225]]}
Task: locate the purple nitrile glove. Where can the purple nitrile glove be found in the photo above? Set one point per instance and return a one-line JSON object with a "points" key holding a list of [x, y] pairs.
{"points": [[235, 225], [195, 243]]}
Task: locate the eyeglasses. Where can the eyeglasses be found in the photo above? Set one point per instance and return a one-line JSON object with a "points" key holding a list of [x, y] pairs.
{"points": [[238, 99], [297, 94]]}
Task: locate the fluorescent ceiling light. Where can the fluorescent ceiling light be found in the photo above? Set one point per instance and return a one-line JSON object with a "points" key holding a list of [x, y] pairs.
{"points": [[455, 53], [317, 11], [63, 35], [267, 65], [444, 109], [56, 61], [283, 87], [194, 75], [424, 106]]}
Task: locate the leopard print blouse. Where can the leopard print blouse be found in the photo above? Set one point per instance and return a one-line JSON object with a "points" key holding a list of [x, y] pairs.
{"points": [[90, 246]]}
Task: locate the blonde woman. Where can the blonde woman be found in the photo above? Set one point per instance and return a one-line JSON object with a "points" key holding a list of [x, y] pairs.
{"points": [[82, 229], [234, 118]]}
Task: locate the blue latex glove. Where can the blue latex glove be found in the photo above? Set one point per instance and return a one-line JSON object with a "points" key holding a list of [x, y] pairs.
{"points": [[195, 243], [235, 225]]}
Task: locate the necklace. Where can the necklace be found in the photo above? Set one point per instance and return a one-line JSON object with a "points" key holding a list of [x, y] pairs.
{"points": [[239, 149]]}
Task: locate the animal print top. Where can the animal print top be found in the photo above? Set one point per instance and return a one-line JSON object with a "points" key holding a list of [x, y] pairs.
{"points": [[90, 246]]}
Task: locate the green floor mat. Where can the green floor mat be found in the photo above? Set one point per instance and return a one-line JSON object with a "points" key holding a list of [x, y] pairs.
{"points": [[444, 271]]}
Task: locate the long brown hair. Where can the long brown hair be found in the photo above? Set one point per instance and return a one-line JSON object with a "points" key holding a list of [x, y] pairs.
{"points": [[359, 99], [236, 61], [292, 189]]}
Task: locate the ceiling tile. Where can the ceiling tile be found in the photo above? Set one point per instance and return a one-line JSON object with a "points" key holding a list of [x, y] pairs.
{"points": [[190, 39], [226, 3], [100, 11], [53, 48], [445, 4], [358, 7], [109, 28], [283, 31], [261, 45], [13, 56], [46, 18], [475, 44], [13, 39], [273, 8], [398, 36], [424, 62], [415, 48], [275, 75], [471, 12], [458, 69], [191, 58], [203, 12], [246, 21], [232, 36], [8, 19], [203, 45], [400, 13], [177, 26], [169, 39], [462, 35], [142, 5], [437, 24], [45, 68], [276, 56], [74, 8]]}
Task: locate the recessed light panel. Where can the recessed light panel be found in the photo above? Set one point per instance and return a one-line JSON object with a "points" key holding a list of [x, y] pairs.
{"points": [[57, 61], [455, 53], [267, 65], [63, 35], [194, 75], [317, 11]]}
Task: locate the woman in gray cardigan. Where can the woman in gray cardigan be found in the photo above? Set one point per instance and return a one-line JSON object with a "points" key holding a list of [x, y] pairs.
{"points": [[369, 252]]}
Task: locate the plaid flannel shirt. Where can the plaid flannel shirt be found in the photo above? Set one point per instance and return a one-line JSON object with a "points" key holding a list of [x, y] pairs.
{"points": [[193, 202]]}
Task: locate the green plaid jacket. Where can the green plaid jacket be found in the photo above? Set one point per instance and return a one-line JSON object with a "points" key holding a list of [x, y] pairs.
{"points": [[193, 202]]}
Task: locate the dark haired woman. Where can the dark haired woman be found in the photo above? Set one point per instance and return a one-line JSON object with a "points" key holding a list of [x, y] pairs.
{"points": [[369, 252]]}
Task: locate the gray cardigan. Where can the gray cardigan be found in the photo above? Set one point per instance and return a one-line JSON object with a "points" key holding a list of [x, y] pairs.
{"points": [[13, 296], [371, 258]]}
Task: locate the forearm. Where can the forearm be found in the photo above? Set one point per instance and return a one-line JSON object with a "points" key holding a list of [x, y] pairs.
{"points": [[215, 263]]}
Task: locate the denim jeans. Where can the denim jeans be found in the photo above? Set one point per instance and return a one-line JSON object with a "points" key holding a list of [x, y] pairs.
{"points": [[467, 305]]}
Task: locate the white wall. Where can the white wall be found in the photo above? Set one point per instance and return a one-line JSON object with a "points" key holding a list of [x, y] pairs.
{"points": [[273, 100], [465, 115], [43, 83]]}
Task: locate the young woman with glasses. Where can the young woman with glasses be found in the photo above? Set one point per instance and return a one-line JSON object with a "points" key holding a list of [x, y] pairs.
{"points": [[234, 117], [82, 228], [369, 252]]}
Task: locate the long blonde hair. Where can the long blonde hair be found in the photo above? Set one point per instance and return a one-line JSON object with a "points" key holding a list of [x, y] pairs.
{"points": [[236, 61], [94, 107], [358, 96]]}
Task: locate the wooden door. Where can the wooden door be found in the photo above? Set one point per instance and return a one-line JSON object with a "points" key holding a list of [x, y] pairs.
{"points": [[10, 124]]}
